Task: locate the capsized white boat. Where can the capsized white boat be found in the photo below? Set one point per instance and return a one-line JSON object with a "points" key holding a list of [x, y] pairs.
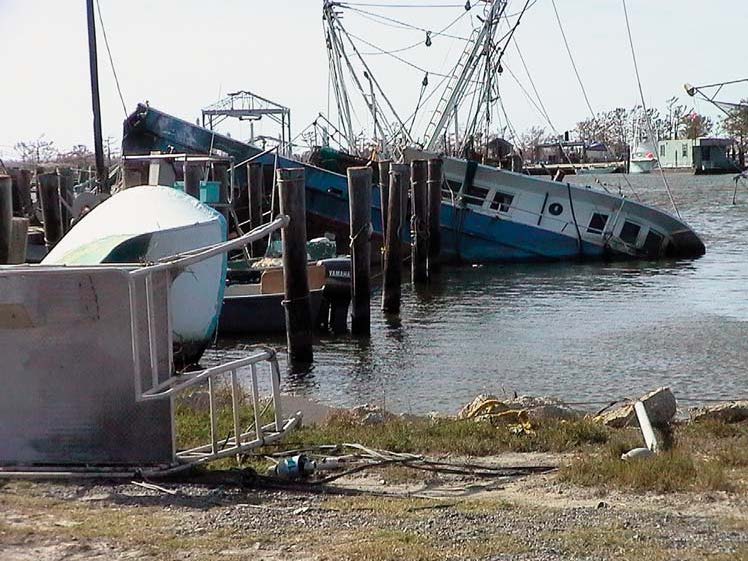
{"points": [[148, 223]]}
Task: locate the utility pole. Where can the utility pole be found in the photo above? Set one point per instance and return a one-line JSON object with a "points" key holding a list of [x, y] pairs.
{"points": [[101, 173]]}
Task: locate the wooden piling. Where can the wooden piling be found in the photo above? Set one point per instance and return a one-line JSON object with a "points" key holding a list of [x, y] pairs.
{"points": [[359, 199], [393, 265], [22, 205], [295, 282], [255, 178], [418, 231], [435, 178], [19, 235], [384, 186], [6, 217], [48, 185], [67, 195]]}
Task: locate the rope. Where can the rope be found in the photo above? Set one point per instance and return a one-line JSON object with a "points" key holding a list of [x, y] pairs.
{"points": [[626, 179], [111, 60], [644, 107], [574, 217], [357, 234]]}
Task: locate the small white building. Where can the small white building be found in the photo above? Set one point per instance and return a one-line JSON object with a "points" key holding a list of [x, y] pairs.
{"points": [[702, 155]]}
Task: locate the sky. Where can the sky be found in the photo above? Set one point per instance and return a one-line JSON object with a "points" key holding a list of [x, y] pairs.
{"points": [[182, 55]]}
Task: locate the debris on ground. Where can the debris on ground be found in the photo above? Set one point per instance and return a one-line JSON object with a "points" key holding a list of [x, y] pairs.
{"points": [[518, 409], [370, 415], [728, 412], [660, 405]]}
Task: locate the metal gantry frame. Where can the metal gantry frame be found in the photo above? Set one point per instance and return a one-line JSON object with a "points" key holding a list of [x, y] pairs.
{"points": [[248, 106], [703, 92]]}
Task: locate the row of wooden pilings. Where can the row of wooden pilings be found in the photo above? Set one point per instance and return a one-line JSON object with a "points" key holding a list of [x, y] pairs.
{"points": [[55, 195], [420, 183]]}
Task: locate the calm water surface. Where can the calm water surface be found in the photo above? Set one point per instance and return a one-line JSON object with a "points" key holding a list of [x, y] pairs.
{"points": [[581, 332]]}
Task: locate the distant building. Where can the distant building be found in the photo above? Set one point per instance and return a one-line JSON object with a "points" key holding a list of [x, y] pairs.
{"points": [[576, 151], [498, 149], [597, 152], [702, 155]]}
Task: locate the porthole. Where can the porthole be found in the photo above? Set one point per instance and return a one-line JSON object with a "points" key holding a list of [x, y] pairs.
{"points": [[555, 209]]}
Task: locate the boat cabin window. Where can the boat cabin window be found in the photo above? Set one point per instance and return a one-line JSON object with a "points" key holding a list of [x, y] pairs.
{"points": [[597, 223], [476, 195], [630, 232], [653, 243], [502, 202]]}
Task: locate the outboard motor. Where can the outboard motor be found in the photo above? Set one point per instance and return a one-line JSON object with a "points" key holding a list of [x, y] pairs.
{"points": [[336, 295]]}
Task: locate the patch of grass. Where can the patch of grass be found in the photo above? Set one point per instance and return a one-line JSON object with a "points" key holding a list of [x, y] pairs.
{"points": [[734, 454], [398, 545], [467, 438], [593, 541], [485, 506], [192, 414], [666, 472], [386, 545], [395, 506]]}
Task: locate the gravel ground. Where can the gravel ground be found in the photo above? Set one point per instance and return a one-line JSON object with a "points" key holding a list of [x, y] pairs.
{"points": [[533, 518]]}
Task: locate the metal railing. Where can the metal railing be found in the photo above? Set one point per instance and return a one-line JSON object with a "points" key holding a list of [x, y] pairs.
{"points": [[164, 384]]}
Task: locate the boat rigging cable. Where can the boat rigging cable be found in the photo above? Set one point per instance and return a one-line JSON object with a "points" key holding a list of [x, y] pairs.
{"points": [[644, 107], [403, 24], [540, 107], [571, 58], [111, 60], [429, 35]]}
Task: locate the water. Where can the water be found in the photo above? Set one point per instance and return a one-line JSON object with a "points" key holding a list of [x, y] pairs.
{"points": [[581, 332]]}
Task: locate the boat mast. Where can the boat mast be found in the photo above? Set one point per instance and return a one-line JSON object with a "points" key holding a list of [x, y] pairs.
{"points": [[469, 62], [336, 52], [101, 173]]}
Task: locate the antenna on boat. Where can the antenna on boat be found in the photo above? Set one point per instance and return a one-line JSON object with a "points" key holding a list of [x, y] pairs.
{"points": [[101, 172]]}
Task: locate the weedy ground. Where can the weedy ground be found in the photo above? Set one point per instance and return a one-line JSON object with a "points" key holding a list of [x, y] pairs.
{"points": [[689, 502]]}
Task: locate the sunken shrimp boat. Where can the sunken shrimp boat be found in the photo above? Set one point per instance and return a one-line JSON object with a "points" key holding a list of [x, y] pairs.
{"points": [[147, 224], [490, 214], [487, 214]]}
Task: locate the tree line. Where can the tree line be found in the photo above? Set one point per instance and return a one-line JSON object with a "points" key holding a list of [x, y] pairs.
{"points": [[40, 151], [620, 128]]}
